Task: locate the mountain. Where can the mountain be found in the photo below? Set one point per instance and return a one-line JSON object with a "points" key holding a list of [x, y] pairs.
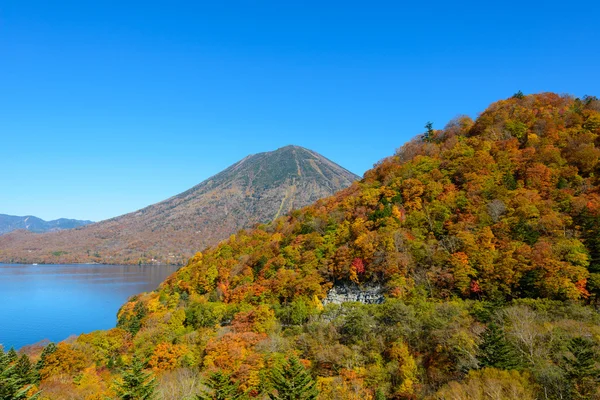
{"points": [[471, 257], [254, 190], [9, 223], [506, 206]]}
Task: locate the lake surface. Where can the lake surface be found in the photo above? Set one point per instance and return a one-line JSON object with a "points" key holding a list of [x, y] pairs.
{"points": [[55, 301]]}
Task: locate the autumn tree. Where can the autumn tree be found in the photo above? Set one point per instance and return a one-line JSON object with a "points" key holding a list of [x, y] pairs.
{"points": [[65, 359], [489, 383], [165, 357], [405, 369]]}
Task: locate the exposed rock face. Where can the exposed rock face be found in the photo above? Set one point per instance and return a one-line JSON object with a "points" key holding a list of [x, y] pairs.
{"points": [[347, 292]]}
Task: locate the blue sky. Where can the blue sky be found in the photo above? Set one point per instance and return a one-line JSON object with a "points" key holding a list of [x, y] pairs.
{"points": [[109, 106]]}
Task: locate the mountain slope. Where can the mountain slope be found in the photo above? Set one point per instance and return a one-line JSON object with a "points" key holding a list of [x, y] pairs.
{"points": [[9, 223], [484, 238], [479, 233], [254, 190], [506, 206]]}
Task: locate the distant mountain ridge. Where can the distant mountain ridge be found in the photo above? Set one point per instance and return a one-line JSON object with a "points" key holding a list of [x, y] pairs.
{"points": [[9, 223], [256, 189]]}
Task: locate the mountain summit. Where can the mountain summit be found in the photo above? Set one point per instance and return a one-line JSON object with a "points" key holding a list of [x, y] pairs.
{"points": [[280, 180], [254, 190]]}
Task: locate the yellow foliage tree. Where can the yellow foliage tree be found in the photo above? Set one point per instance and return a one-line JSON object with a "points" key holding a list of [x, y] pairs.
{"points": [[406, 370]]}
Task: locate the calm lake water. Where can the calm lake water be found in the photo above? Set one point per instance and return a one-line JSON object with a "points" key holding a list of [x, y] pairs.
{"points": [[55, 301]]}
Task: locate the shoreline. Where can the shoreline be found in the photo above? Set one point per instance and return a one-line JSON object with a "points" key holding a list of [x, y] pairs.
{"points": [[124, 264]]}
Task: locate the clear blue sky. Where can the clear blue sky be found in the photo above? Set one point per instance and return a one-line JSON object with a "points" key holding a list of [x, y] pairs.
{"points": [[109, 106]]}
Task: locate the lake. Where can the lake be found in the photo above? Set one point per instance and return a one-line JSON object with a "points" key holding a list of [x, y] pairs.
{"points": [[55, 301]]}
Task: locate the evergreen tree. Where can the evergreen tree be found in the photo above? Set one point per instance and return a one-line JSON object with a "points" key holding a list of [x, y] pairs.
{"points": [[24, 369], [3, 359], [428, 136], [518, 95], [49, 349], [495, 351], [13, 384], [137, 384], [12, 355], [292, 382], [133, 323], [590, 233], [222, 388], [580, 367], [379, 395]]}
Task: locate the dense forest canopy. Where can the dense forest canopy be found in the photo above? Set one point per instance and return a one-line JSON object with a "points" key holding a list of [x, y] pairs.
{"points": [[484, 237], [503, 207]]}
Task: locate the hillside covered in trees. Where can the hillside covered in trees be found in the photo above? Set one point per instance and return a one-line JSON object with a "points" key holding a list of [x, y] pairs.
{"points": [[484, 238]]}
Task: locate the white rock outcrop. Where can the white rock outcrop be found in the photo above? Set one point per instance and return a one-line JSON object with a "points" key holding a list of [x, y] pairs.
{"points": [[366, 294]]}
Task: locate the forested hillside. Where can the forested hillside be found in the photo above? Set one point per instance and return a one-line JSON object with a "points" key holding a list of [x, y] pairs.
{"points": [[484, 238]]}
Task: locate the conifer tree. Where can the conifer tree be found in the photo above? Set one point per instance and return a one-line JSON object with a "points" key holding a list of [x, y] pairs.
{"points": [[14, 385], [495, 351], [3, 359], [222, 388], [590, 233], [49, 349], [379, 395], [137, 384], [428, 136], [293, 382], [12, 355], [581, 367], [24, 368]]}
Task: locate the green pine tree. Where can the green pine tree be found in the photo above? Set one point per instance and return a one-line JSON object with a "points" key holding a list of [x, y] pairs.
{"points": [[24, 369], [581, 367], [136, 384], [49, 349], [380, 395], [518, 95], [590, 233], [14, 385], [221, 388], [12, 355], [3, 359], [133, 323], [428, 135], [495, 351], [293, 382]]}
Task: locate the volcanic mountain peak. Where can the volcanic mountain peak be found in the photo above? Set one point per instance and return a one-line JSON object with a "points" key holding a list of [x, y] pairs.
{"points": [[256, 189], [288, 164]]}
